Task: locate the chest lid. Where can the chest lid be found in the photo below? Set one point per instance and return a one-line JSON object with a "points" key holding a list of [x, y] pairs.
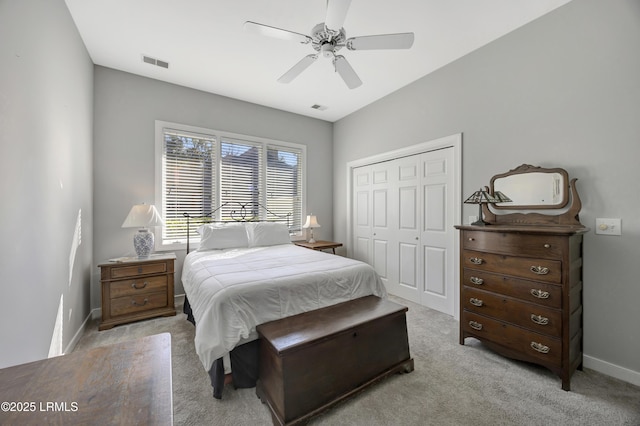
{"points": [[298, 330]]}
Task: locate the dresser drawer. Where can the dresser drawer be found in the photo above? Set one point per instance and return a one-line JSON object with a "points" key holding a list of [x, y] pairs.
{"points": [[535, 345], [143, 302], [138, 286], [135, 270], [537, 269], [527, 315], [530, 245], [545, 294]]}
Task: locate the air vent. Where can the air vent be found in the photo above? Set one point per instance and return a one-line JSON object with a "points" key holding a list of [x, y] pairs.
{"points": [[154, 61], [319, 107]]}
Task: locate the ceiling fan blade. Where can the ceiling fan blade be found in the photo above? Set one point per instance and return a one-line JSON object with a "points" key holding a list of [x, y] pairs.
{"points": [[269, 31], [336, 13], [382, 41], [297, 69], [346, 72]]}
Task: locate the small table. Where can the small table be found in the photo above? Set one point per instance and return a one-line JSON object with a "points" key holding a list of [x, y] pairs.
{"points": [[135, 289], [319, 245], [125, 383]]}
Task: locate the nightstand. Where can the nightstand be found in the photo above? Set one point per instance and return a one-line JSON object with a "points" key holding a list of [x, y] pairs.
{"points": [[134, 289], [319, 245]]}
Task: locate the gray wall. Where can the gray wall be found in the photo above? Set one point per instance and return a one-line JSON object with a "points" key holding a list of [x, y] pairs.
{"points": [[126, 107], [46, 101], [562, 91]]}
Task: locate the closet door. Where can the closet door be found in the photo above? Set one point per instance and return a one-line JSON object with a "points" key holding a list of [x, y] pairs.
{"points": [[437, 234], [361, 214], [373, 218], [406, 246]]}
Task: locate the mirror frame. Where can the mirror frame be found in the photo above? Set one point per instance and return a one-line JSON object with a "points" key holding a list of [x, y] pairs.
{"points": [[527, 168], [567, 213]]}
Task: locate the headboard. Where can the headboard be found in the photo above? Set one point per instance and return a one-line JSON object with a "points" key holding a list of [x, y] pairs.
{"points": [[244, 212]]}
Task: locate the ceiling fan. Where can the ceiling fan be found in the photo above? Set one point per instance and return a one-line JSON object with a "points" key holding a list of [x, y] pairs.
{"points": [[327, 38]]}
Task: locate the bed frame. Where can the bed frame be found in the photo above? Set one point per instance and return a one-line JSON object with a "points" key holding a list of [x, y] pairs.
{"points": [[246, 212], [244, 358]]}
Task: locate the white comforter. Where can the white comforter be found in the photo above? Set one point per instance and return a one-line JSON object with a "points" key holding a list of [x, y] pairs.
{"points": [[232, 291]]}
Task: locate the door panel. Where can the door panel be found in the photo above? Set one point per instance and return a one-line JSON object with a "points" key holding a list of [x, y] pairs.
{"points": [[408, 257], [380, 250]]}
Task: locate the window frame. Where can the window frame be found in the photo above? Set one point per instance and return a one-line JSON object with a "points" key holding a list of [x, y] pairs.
{"points": [[219, 136]]}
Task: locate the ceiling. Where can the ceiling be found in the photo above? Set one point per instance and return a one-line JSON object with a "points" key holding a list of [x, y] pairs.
{"points": [[207, 49]]}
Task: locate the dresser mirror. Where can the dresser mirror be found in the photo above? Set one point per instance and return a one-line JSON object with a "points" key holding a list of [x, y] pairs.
{"points": [[532, 188]]}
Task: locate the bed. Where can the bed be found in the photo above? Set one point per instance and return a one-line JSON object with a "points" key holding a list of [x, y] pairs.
{"points": [[246, 274]]}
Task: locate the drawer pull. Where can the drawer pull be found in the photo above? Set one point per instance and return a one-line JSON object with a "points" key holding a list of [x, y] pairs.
{"points": [[539, 319], [144, 284], [547, 246], [471, 238], [476, 302], [540, 347], [476, 260], [476, 280], [540, 270], [540, 294], [475, 325], [134, 303]]}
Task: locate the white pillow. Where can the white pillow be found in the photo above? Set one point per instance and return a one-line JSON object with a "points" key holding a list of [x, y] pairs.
{"points": [[222, 236], [267, 234]]}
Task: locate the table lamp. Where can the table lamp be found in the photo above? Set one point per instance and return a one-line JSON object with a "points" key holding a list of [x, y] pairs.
{"points": [[481, 197], [143, 216], [312, 222]]}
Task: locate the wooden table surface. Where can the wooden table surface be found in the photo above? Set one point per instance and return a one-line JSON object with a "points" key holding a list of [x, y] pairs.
{"points": [[125, 383]]}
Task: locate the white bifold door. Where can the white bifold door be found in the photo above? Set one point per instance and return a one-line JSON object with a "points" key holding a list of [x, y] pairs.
{"points": [[402, 220]]}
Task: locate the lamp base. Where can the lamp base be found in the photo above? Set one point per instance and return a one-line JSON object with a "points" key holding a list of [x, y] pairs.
{"points": [[143, 242], [311, 240]]}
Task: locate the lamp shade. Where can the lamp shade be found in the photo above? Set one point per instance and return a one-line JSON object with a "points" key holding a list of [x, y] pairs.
{"points": [[481, 197], [143, 216], [312, 222], [498, 195]]}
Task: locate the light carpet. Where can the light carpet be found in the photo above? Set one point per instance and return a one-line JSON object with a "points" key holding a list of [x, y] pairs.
{"points": [[451, 385]]}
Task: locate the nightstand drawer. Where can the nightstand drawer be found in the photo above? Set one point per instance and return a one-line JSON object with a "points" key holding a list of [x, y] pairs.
{"points": [[135, 270], [138, 286], [143, 302]]}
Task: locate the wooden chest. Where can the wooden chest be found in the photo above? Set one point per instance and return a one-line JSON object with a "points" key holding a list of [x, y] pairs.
{"points": [[311, 361], [521, 293], [137, 289]]}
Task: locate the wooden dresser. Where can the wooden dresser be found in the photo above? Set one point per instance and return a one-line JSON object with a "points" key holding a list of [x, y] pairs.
{"points": [[521, 276], [521, 293], [136, 289]]}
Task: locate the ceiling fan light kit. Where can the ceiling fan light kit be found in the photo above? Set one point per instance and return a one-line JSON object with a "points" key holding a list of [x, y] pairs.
{"points": [[326, 40]]}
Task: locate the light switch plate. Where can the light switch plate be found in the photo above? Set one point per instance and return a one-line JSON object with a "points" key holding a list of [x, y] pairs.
{"points": [[608, 226]]}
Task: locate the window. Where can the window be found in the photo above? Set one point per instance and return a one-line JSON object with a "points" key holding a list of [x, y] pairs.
{"points": [[198, 170]]}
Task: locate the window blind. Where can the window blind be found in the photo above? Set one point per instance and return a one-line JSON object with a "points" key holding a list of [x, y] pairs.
{"points": [[284, 184], [189, 171], [241, 176]]}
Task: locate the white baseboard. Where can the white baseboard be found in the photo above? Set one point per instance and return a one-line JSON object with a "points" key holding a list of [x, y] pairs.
{"points": [[76, 337], [612, 370]]}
